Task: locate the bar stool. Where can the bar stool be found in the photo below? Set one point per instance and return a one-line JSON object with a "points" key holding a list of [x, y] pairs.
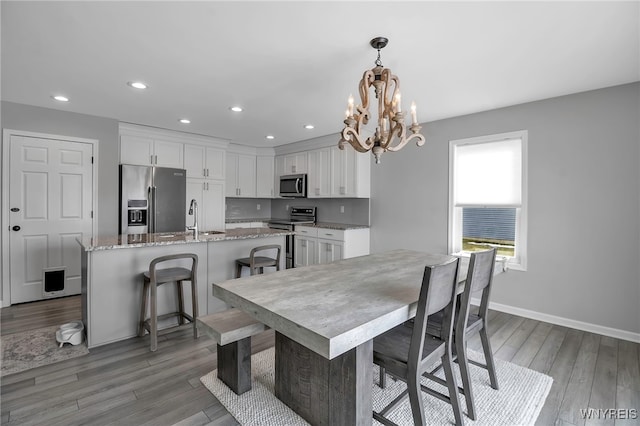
{"points": [[155, 277], [256, 264]]}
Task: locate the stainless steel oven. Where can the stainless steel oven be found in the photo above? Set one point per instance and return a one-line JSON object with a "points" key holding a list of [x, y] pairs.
{"points": [[298, 216]]}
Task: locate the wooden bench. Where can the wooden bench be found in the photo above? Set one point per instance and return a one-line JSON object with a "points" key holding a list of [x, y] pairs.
{"points": [[232, 329]]}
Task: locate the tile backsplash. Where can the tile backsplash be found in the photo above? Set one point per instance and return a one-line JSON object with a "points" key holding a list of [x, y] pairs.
{"points": [[354, 211]]}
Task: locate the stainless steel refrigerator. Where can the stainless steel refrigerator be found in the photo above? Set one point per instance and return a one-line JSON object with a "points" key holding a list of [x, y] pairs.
{"points": [[152, 199]]}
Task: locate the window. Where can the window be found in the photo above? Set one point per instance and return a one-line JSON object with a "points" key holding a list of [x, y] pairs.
{"points": [[487, 196]]}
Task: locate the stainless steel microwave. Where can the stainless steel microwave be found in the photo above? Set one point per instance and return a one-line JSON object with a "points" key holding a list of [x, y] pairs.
{"points": [[293, 186]]}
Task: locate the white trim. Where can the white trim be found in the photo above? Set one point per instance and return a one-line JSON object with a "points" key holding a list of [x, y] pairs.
{"points": [[520, 261], [170, 135], [563, 321], [4, 222]]}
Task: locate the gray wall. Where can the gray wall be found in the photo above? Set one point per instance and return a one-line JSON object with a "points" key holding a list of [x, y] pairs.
{"points": [[584, 203], [44, 120]]}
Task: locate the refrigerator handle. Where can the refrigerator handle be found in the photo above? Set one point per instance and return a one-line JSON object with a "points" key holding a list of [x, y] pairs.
{"points": [[152, 205]]}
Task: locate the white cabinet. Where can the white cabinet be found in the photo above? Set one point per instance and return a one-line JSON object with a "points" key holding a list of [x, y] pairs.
{"points": [[265, 176], [351, 172], [305, 251], [209, 195], [204, 162], [329, 251], [331, 172], [319, 173], [147, 151], [240, 175], [322, 245], [295, 163]]}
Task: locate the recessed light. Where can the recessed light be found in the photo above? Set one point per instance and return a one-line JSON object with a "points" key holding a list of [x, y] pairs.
{"points": [[137, 84], [235, 109], [185, 121], [60, 98], [308, 126], [270, 137]]}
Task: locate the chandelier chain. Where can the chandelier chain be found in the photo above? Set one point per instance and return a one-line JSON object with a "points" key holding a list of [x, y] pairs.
{"points": [[378, 61]]}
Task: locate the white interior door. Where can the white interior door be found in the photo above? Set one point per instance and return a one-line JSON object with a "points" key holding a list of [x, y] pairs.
{"points": [[50, 199]]}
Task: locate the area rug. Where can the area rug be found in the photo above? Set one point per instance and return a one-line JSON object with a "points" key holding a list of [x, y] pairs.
{"points": [[35, 348], [518, 401]]}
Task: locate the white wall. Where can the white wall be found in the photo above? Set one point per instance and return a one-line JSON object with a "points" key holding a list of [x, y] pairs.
{"points": [[584, 204]]}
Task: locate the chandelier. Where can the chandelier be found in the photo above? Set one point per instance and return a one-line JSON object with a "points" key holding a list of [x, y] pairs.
{"points": [[391, 130]]}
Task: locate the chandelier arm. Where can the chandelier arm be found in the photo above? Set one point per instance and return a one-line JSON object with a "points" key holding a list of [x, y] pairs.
{"points": [[388, 78], [419, 142], [351, 135]]}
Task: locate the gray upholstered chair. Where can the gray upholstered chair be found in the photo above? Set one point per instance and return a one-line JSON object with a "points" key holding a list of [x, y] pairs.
{"points": [[406, 352], [155, 277], [256, 264]]}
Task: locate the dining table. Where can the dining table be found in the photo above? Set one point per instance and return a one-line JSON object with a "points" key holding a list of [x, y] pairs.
{"points": [[325, 318]]}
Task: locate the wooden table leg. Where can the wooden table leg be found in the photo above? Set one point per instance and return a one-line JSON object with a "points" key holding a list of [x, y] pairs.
{"points": [[323, 391], [234, 365]]}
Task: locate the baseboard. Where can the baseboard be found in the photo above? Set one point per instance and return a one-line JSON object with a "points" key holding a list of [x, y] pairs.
{"points": [[566, 322]]}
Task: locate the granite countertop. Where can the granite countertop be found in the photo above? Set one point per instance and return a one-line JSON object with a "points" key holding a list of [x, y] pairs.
{"points": [[261, 219], [326, 225], [163, 239], [337, 226]]}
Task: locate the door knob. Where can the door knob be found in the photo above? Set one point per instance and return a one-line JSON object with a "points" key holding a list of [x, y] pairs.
{"points": [[16, 228]]}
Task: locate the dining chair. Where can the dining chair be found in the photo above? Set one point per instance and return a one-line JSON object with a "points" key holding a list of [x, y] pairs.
{"points": [[406, 352], [479, 279]]}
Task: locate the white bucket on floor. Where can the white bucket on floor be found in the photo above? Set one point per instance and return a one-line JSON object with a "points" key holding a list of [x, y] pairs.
{"points": [[71, 332]]}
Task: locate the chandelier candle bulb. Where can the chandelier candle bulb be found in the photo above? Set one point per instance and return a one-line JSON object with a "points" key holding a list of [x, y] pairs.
{"points": [[350, 105], [414, 119], [398, 101]]}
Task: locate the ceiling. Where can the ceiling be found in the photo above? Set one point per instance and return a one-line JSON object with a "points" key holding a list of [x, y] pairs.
{"points": [[295, 62]]}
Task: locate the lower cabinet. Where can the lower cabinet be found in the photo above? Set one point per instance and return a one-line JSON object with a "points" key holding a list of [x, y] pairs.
{"points": [[322, 245], [305, 251], [209, 194]]}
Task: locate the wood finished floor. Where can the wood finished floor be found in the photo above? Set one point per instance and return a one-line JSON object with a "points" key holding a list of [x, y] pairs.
{"points": [[125, 384]]}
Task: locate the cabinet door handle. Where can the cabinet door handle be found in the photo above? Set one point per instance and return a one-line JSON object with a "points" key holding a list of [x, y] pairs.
{"points": [[204, 187], [204, 172], [207, 185], [329, 234], [207, 173], [151, 159]]}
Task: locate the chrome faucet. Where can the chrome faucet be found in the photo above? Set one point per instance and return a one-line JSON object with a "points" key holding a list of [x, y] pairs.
{"points": [[193, 210]]}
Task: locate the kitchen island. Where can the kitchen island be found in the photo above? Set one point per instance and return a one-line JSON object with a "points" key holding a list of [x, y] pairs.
{"points": [[112, 270]]}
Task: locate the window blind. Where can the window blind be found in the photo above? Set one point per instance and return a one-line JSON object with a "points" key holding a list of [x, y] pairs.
{"points": [[488, 174]]}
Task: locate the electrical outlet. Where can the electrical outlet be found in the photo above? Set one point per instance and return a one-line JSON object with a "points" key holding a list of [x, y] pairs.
{"points": [[286, 207], [226, 206], [341, 209], [257, 206]]}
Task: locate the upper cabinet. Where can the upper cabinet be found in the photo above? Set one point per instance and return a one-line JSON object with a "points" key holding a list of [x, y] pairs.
{"points": [[150, 151], [204, 162], [295, 163], [350, 173], [319, 174], [331, 172], [240, 175], [265, 176]]}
